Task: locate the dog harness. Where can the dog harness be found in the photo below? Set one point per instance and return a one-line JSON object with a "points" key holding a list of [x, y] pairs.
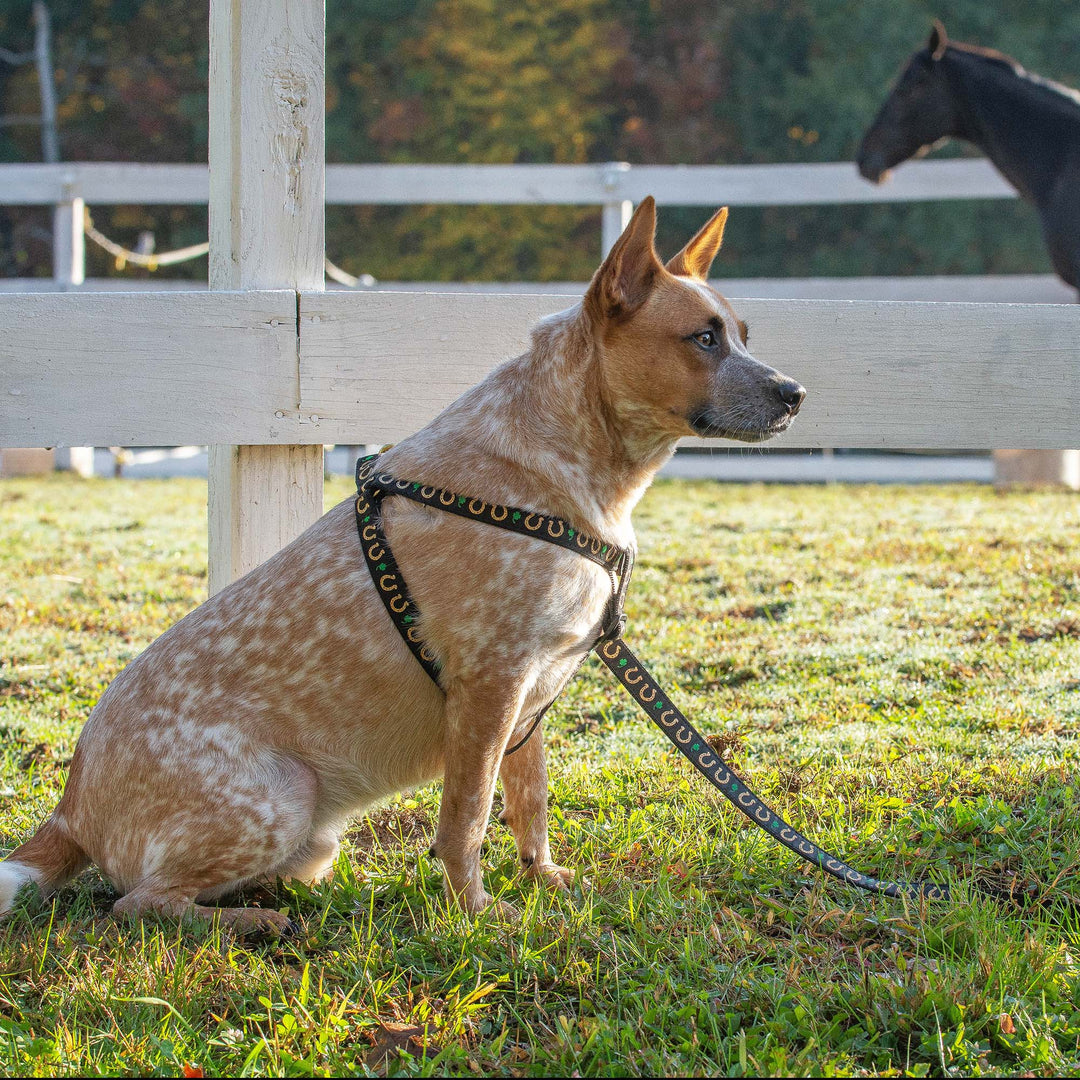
{"points": [[373, 487]]}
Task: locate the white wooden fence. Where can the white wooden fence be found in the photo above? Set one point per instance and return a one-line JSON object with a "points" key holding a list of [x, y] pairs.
{"points": [[613, 186], [280, 367], [269, 362]]}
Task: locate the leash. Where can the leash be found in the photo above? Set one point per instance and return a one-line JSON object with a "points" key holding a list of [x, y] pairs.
{"points": [[372, 487]]}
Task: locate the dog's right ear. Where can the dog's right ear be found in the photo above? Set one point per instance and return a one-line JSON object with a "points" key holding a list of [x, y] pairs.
{"points": [[627, 275]]}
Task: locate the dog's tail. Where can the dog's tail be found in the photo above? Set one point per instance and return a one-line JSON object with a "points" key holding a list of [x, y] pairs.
{"points": [[50, 857]]}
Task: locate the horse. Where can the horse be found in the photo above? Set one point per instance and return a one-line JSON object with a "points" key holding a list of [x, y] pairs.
{"points": [[1028, 126]]}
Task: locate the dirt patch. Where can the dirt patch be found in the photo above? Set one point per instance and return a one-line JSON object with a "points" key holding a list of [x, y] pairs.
{"points": [[392, 827], [772, 612], [1069, 628], [720, 674], [1003, 634], [727, 745]]}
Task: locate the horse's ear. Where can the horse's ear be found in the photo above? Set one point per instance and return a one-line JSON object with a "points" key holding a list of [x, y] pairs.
{"points": [[938, 41]]}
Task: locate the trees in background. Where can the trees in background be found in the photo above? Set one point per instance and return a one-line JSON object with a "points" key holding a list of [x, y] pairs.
{"points": [[648, 81]]}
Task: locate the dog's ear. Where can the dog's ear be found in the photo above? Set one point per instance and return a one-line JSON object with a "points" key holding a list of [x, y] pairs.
{"points": [[939, 40], [695, 259], [627, 275]]}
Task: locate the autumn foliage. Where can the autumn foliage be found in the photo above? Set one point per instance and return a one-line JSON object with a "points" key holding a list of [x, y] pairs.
{"points": [[650, 81]]}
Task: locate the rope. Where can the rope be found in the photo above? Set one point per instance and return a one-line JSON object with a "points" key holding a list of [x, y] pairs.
{"points": [[14, 58], [343, 277], [124, 255]]}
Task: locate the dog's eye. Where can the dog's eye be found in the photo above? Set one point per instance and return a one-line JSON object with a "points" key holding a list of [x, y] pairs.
{"points": [[706, 339]]}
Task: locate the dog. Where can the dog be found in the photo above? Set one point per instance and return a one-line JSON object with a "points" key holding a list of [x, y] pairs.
{"points": [[237, 746]]}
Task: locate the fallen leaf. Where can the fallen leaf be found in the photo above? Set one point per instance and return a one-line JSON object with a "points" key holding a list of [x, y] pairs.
{"points": [[388, 1038]]}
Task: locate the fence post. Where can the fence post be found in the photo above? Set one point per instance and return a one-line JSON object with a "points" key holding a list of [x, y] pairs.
{"points": [[267, 189], [68, 251], [1033, 467], [69, 271], [616, 212], [69, 243]]}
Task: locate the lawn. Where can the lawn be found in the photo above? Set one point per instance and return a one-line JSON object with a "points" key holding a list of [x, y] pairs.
{"points": [[897, 670]]}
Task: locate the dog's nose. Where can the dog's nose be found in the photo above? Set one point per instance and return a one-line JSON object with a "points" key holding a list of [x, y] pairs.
{"points": [[791, 394]]}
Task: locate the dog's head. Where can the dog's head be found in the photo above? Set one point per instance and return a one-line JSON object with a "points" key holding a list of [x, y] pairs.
{"points": [[673, 353]]}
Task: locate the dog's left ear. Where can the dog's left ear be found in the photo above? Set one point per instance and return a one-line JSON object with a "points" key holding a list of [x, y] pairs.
{"points": [[627, 275], [695, 259]]}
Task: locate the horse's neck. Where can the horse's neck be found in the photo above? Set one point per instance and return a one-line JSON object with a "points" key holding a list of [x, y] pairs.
{"points": [[1010, 119]]}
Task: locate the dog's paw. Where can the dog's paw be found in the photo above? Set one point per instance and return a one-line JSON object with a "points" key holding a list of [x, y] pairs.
{"points": [[260, 922], [484, 904], [504, 911], [556, 878]]}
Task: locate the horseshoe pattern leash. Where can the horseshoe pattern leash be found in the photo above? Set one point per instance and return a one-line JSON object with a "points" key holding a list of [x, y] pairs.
{"points": [[647, 692], [372, 487]]}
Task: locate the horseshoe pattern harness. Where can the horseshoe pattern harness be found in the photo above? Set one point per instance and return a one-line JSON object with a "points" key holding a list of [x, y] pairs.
{"points": [[372, 487]]}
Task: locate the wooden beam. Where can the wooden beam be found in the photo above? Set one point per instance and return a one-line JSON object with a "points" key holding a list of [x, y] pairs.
{"points": [[889, 375], [104, 183], [879, 374], [672, 185], [583, 185], [267, 90], [818, 183], [958, 288], [146, 369]]}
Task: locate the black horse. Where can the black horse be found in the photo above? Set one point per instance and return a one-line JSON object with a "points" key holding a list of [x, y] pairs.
{"points": [[1029, 127]]}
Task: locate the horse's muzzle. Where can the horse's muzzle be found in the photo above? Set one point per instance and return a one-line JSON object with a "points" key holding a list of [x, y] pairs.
{"points": [[872, 167]]}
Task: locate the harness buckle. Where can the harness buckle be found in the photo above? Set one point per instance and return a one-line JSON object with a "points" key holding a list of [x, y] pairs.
{"points": [[613, 628]]}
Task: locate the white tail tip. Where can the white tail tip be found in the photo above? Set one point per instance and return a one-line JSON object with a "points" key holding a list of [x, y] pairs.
{"points": [[13, 876]]}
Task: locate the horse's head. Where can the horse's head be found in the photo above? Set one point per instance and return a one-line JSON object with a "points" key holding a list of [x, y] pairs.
{"points": [[919, 112]]}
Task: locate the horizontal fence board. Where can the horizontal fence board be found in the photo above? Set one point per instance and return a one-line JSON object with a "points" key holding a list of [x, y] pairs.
{"points": [[146, 369], [104, 183], [967, 288], [472, 184], [810, 184], [892, 375], [378, 366], [184, 368], [816, 183]]}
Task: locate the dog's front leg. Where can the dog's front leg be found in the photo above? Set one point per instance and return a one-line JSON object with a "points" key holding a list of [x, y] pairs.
{"points": [[479, 719], [525, 786]]}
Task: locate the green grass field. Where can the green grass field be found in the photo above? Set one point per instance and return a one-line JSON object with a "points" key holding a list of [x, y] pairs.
{"points": [[896, 669]]}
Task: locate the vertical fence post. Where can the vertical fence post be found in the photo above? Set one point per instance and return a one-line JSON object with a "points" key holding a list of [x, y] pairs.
{"points": [[1032, 467], [616, 212], [69, 244], [69, 267], [267, 192], [69, 271]]}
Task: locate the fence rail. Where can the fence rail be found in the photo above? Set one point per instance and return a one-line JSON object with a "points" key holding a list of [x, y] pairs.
{"points": [[612, 186], [108, 183], [255, 368]]}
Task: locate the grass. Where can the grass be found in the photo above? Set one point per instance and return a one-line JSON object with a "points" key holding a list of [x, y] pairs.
{"points": [[896, 670]]}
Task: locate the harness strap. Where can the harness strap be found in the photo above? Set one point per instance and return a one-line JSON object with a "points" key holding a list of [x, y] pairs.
{"points": [[551, 530], [372, 488], [388, 579], [612, 650]]}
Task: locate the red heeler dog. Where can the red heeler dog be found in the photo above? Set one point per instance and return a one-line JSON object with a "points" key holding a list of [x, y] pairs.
{"points": [[237, 746]]}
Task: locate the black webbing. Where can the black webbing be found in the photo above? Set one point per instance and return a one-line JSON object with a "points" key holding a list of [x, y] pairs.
{"points": [[372, 487]]}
